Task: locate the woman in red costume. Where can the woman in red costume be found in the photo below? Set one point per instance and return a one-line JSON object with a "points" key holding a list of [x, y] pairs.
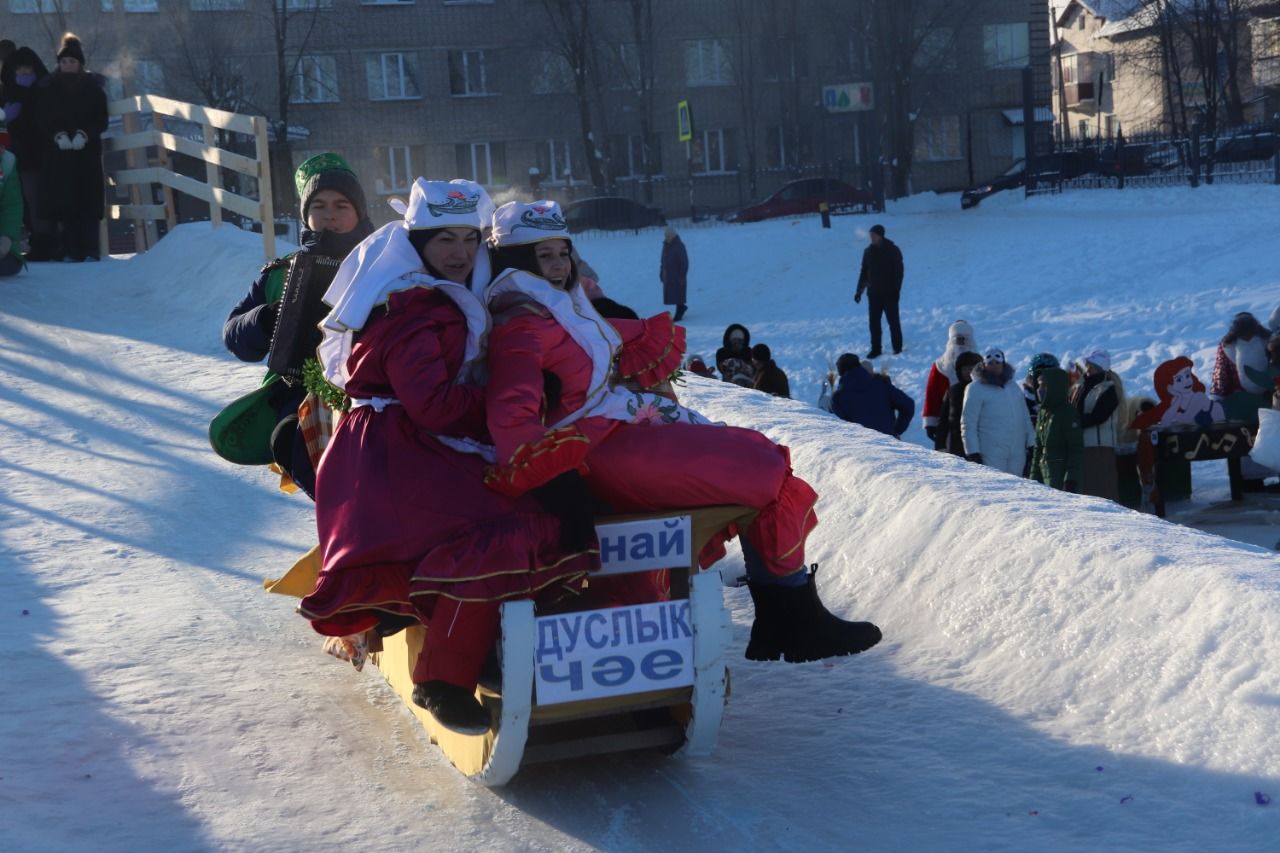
{"points": [[639, 451], [407, 527]]}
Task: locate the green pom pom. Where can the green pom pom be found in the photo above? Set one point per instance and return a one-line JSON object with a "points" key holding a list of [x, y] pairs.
{"points": [[315, 383]]}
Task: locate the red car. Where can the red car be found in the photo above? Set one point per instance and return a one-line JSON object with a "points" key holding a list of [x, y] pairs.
{"points": [[803, 196]]}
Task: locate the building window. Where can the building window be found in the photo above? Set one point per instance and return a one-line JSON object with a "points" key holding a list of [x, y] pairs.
{"points": [[784, 59], [1083, 129], [1006, 45], [315, 80], [129, 5], [27, 7], [626, 155], [551, 74], [937, 51], [707, 63], [466, 72], [301, 5], [394, 165], [148, 77], [216, 5], [624, 67], [483, 162], [555, 162], [392, 77], [714, 152], [386, 2], [937, 138], [1264, 37]]}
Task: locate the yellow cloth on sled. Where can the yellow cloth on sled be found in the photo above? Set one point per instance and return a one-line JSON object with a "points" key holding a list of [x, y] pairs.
{"points": [[300, 580]]}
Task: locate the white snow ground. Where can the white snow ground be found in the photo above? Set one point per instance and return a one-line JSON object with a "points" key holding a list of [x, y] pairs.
{"points": [[1058, 673]]}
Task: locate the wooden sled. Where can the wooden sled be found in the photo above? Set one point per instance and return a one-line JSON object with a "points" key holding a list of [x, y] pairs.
{"points": [[666, 690]]}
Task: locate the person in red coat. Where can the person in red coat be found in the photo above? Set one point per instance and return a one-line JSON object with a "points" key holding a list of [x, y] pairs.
{"points": [[407, 527], [943, 373], [637, 449]]}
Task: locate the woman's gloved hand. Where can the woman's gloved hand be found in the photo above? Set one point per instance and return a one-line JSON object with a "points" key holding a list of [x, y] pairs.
{"points": [[568, 499]]}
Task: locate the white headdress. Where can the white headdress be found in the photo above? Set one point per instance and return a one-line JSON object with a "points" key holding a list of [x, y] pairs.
{"points": [[518, 224]]}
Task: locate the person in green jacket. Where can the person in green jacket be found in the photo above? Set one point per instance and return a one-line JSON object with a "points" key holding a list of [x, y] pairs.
{"points": [[10, 208], [1058, 460]]}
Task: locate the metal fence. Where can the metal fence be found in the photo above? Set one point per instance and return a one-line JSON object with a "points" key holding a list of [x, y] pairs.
{"points": [[1242, 155]]}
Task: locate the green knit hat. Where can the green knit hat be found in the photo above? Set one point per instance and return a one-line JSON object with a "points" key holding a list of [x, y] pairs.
{"points": [[328, 171]]}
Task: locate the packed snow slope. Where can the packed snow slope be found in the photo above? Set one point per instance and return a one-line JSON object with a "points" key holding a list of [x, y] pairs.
{"points": [[1058, 673]]}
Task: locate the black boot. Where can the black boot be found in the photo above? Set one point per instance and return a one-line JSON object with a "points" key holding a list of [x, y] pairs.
{"points": [[456, 709], [764, 643], [797, 624], [680, 309]]}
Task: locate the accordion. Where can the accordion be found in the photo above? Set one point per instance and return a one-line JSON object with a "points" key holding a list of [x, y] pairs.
{"points": [[302, 308]]}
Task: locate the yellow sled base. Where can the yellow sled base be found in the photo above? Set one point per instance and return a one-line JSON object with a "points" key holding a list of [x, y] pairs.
{"points": [[590, 682]]}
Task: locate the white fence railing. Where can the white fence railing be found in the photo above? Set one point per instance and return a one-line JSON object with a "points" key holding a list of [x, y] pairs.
{"points": [[135, 140]]}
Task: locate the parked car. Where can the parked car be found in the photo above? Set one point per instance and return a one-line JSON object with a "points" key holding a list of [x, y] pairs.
{"points": [[803, 196], [610, 213], [1245, 148], [1049, 169]]}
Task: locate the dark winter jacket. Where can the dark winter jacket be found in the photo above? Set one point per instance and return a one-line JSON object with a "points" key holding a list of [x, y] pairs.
{"points": [[1108, 402], [733, 362], [1059, 453], [674, 272], [950, 416], [873, 402], [71, 182], [882, 270], [772, 380], [25, 139]]}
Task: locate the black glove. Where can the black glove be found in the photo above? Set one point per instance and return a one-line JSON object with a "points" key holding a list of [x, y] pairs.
{"points": [[932, 432], [857, 297], [1071, 486], [975, 457], [567, 498]]}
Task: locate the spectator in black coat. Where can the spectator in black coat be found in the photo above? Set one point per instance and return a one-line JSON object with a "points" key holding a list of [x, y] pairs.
{"points": [[873, 402], [881, 279], [947, 436], [733, 360], [674, 272], [769, 377], [20, 86], [72, 118]]}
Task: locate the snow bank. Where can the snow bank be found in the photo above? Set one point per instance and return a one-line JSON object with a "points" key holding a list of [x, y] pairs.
{"points": [[1092, 622]]}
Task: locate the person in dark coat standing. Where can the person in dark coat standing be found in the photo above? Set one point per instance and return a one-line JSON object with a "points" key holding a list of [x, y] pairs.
{"points": [[874, 403], [674, 272], [881, 279], [769, 377], [20, 79], [72, 119], [947, 435]]}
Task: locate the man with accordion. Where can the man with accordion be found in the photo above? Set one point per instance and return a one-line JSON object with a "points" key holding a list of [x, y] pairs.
{"points": [[277, 321]]}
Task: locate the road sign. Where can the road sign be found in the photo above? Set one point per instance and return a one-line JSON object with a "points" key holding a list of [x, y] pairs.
{"points": [[684, 121], [848, 97]]}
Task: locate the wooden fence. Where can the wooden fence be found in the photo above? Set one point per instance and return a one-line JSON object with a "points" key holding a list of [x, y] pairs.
{"points": [[140, 174]]}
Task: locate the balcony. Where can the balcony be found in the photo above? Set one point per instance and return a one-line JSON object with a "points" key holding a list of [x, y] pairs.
{"points": [[1079, 93]]}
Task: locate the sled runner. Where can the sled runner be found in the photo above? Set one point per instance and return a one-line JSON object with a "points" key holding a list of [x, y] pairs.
{"points": [[588, 682]]}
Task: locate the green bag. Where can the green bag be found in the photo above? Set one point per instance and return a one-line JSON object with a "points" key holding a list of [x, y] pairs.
{"points": [[241, 433]]}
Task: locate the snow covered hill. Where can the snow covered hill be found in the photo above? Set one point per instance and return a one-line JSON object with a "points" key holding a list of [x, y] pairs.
{"points": [[1058, 673]]}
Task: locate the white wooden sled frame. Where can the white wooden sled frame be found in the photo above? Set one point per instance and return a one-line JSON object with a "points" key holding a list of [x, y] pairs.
{"points": [[685, 720]]}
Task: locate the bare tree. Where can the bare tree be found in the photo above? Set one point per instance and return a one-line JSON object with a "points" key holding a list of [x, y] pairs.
{"points": [[573, 37], [633, 58]]}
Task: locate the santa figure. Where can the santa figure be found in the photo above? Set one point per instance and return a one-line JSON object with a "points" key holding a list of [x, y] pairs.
{"points": [[943, 372]]}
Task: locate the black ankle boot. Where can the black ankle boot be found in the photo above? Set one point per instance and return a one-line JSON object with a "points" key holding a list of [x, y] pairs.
{"points": [[802, 628], [455, 708], [764, 643]]}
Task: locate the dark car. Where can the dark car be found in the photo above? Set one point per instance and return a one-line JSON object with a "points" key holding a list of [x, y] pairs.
{"points": [[1049, 168], [610, 213], [803, 196], [1013, 177]]}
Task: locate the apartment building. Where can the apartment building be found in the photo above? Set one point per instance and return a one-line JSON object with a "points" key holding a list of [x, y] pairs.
{"points": [[487, 89]]}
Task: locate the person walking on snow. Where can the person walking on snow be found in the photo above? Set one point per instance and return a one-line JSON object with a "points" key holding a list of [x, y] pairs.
{"points": [[993, 423], [881, 279], [674, 272], [943, 373]]}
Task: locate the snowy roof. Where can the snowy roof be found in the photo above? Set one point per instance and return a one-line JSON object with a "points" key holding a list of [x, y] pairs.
{"points": [[1109, 10]]}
